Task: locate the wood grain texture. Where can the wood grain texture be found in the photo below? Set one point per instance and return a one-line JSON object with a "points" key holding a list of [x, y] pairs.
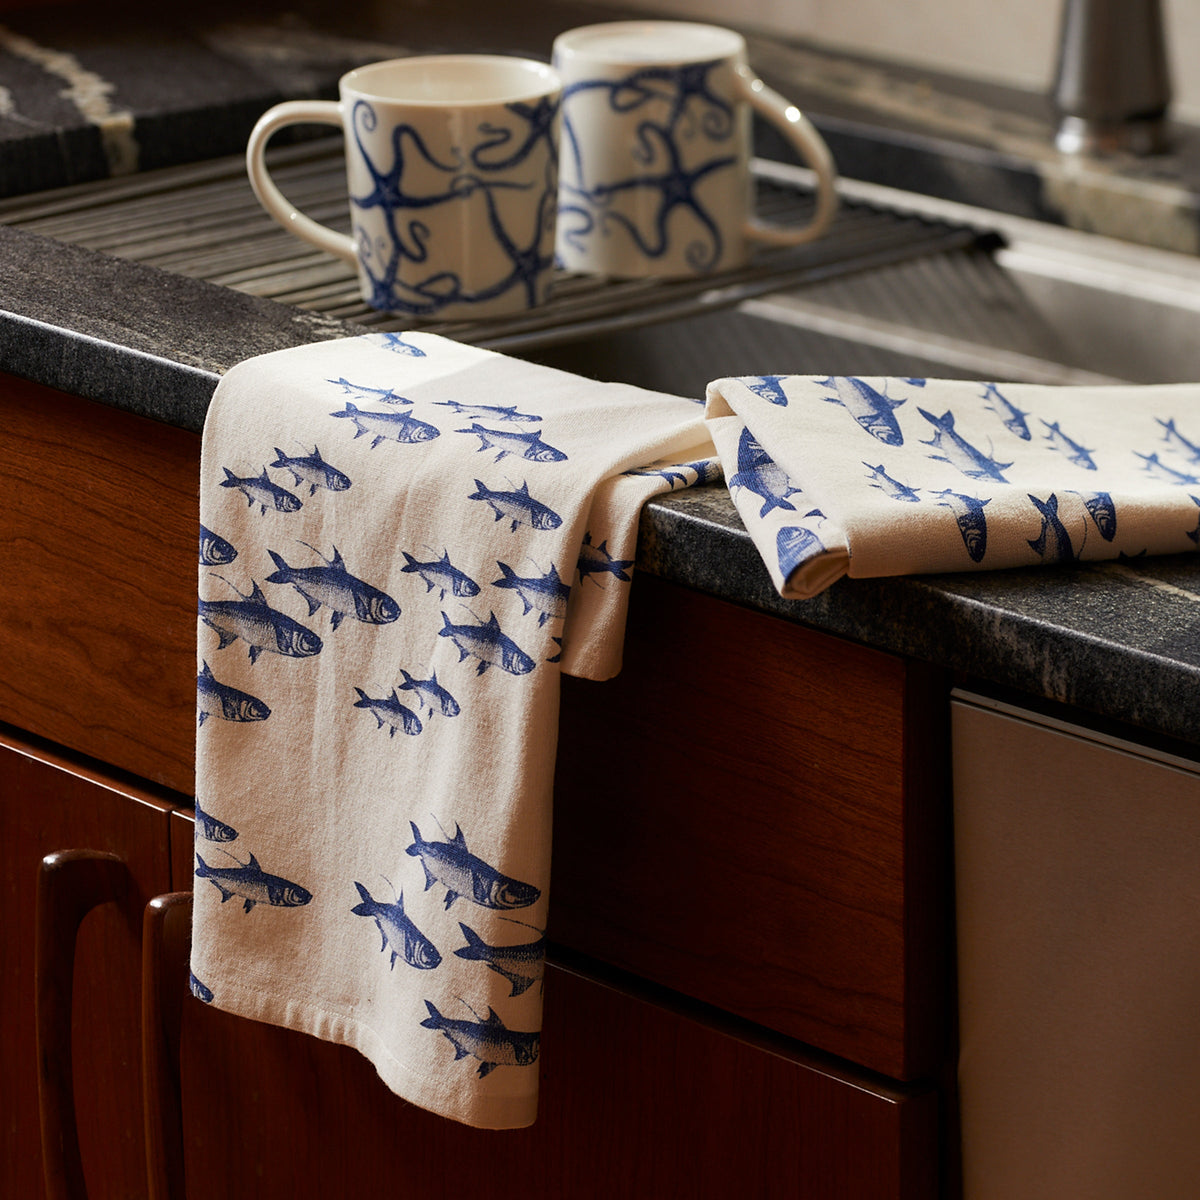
{"points": [[743, 815], [98, 532], [47, 804]]}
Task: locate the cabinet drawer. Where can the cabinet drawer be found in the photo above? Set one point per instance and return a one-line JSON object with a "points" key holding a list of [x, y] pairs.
{"points": [[751, 814]]}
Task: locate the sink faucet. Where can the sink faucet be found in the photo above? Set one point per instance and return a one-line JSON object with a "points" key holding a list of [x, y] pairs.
{"points": [[1112, 85]]}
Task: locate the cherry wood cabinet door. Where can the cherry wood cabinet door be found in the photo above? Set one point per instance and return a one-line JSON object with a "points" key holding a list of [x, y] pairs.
{"points": [[48, 804]]}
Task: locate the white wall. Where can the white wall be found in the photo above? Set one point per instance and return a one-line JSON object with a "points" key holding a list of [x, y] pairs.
{"points": [[1013, 42]]}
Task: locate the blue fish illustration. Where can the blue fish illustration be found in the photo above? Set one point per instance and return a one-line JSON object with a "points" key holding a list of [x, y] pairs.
{"points": [[520, 445], [253, 885], [521, 965], [431, 694], [868, 406], [258, 489], [396, 343], [1009, 413], [1160, 470], [767, 387], [400, 427], [463, 874], [215, 551], [362, 392], [210, 829], [892, 487], [958, 452], [388, 711], [1071, 450], [519, 507], [214, 699], [546, 593], [972, 522], [796, 544], [313, 470], [1103, 512], [490, 412], [1174, 438], [487, 643], [334, 586], [201, 991], [490, 1041], [440, 573], [596, 560], [1053, 542], [759, 473], [671, 473], [259, 625], [399, 933]]}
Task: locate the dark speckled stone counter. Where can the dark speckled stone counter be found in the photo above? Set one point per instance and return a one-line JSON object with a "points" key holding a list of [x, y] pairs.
{"points": [[1120, 642]]}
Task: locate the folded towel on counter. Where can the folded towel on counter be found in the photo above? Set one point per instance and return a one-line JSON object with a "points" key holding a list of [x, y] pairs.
{"points": [[872, 477], [404, 541]]}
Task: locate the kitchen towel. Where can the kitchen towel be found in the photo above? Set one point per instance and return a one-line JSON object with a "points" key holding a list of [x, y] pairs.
{"points": [[872, 477], [404, 541]]}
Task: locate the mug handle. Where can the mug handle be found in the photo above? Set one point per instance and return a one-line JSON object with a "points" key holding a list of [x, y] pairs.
{"points": [[294, 112], [798, 130]]}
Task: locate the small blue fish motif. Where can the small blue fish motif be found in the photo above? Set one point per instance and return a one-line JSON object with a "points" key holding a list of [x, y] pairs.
{"points": [[209, 829], [670, 473], [259, 625], [891, 487], [759, 473], [520, 445], [519, 507], [258, 489], [399, 933], [972, 521], [463, 874], [361, 392], [201, 991], [214, 699], [1053, 542], [1009, 413], [958, 452], [1103, 512], [400, 427], [596, 560], [389, 712], [767, 387], [215, 551], [431, 694], [253, 885], [441, 573], [547, 594], [1069, 449], [396, 343], [521, 965], [313, 470], [490, 1041], [868, 406], [1160, 470], [796, 544], [334, 586], [487, 643], [489, 412], [1175, 439]]}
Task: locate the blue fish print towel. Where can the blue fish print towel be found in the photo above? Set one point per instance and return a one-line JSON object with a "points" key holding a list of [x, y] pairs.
{"points": [[404, 541], [871, 477]]}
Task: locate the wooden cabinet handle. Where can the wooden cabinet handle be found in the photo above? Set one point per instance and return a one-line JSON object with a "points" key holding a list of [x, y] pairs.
{"points": [[166, 944], [70, 884]]}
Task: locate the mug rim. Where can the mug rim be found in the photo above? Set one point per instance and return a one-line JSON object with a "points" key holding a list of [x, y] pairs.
{"points": [[567, 42], [543, 79]]}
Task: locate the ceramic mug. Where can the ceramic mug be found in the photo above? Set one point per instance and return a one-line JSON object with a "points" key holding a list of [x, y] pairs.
{"points": [[451, 169], [654, 174]]}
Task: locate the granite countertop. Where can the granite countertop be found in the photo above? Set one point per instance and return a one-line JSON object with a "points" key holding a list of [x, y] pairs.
{"points": [[1118, 641]]}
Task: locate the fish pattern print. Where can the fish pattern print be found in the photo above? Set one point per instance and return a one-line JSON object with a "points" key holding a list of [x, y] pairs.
{"points": [[397, 562], [919, 475]]}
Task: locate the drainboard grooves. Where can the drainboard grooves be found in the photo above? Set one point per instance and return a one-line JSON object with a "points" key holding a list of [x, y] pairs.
{"points": [[202, 220]]}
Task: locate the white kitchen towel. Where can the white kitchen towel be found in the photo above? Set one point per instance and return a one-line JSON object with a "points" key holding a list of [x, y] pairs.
{"points": [[872, 477], [404, 540]]}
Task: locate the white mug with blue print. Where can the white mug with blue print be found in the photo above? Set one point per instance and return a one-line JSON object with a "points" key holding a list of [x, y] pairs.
{"points": [[451, 168], [654, 175]]}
